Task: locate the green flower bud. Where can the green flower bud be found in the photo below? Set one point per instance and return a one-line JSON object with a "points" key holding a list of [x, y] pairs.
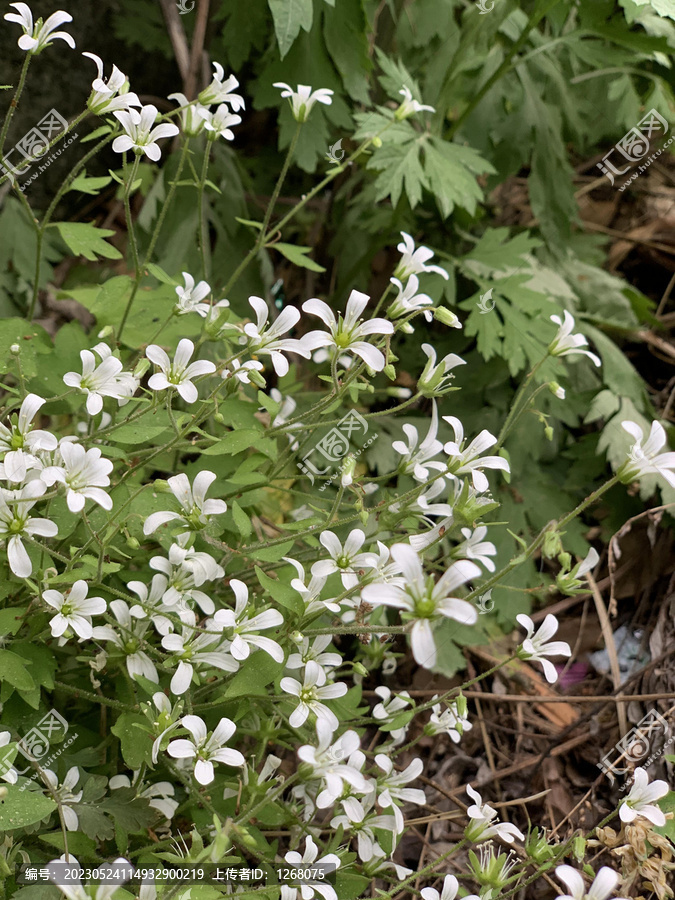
{"points": [[390, 372], [446, 316], [377, 142], [142, 367]]}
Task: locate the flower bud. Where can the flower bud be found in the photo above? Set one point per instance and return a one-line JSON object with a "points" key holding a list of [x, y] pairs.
{"points": [[142, 367], [108, 331], [390, 372], [161, 486], [15, 349], [556, 390], [360, 669], [257, 378], [377, 142], [552, 545], [3, 792], [447, 317]]}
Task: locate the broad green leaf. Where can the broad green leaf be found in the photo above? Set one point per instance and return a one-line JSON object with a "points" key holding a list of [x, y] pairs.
{"points": [[43, 666], [298, 255], [136, 743], [289, 17], [13, 671], [33, 341], [450, 170], [20, 808], [87, 185], [346, 35], [254, 676], [10, 619], [281, 593], [87, 240], [233, 442], [272, 554]]}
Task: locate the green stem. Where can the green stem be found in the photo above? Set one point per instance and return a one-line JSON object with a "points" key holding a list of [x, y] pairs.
{"points": [[14, 101], [203, 229], [513, 415]]}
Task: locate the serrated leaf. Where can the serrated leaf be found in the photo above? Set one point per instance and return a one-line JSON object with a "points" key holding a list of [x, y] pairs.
{"points": [[136, 744], [10, 619], [13, 670], [87, 240], [89, 185], [345, 33]]}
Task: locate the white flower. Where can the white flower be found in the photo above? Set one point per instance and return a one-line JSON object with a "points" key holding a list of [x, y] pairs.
{"points": [[131, 639], [417, 462], [219, 91], [140, 135], [390, 705], [158, 795], [646, 460], [190, 297], [261, 339], [309, 858], [241, 372], [179, 374], [39, 36], [219, 123], [423, 601], [359, 820], [448, 891], [191, 116], [194, 648], [66, 795], [603, 885], [640, 799], [345, 560], [347, 333], [7, 773], [167, 720], [336, 763], [74, 610], [196, 509], [450, 721], [245, 629], [206, 749], [567, 344], [15, 524], [414, 261], [105, 380], [303, 99], [435, 380], [409, 106], [569, 582], [538, 646], [474, 547], [310, 694], [113, 874], [183, 572], [84, 474], [391, 786], [311, 593], [103, 99], [316, 652], [409, 300], [20, 442], [481, 815], [467, 460]]}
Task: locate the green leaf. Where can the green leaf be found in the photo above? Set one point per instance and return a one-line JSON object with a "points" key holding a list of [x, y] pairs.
{"points": [[21, 808], [10, 619], [32, 340], [160, 274], [135, 742], [255, 674], [241, 520], [87, 185], [289, 17], [13, 670], [345, 33], [234, 442], [450, 170], [87, 240], [140, 432], [272, 554], [298, 255], [42, 668], [349, 886], [128, 811], [81, 846], [281, 593]]}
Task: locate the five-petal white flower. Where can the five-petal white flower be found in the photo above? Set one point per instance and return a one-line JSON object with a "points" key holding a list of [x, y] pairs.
{"points": [[261, 339], [245, 630], [73, 610], [310, 695], [435, 380], [105, 380], [220, 91], [178, 375], [346, 560], [484, 823], [303, 98], [16, 523], [467, 460], [346, 333], [567, 344], [414, 261], [107, 96], [141, 136], [190, 297], [220, 122], [84, 473], [197, 510], [646, 459], [206, 749], [409, 105], [640, 799], [38, 36], [538, 646], [20, 442], [424, 601]]}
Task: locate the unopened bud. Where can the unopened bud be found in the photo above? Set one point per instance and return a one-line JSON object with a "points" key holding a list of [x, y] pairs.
{"points": [[142, 367], [447, 317], [548, 431], [390, 372], [15, 349], [106, 332], [556, 390], [363, 515], [133, 542], [377, 142], [360, 669], [257, 378], [219, 417], [161, 486]]}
